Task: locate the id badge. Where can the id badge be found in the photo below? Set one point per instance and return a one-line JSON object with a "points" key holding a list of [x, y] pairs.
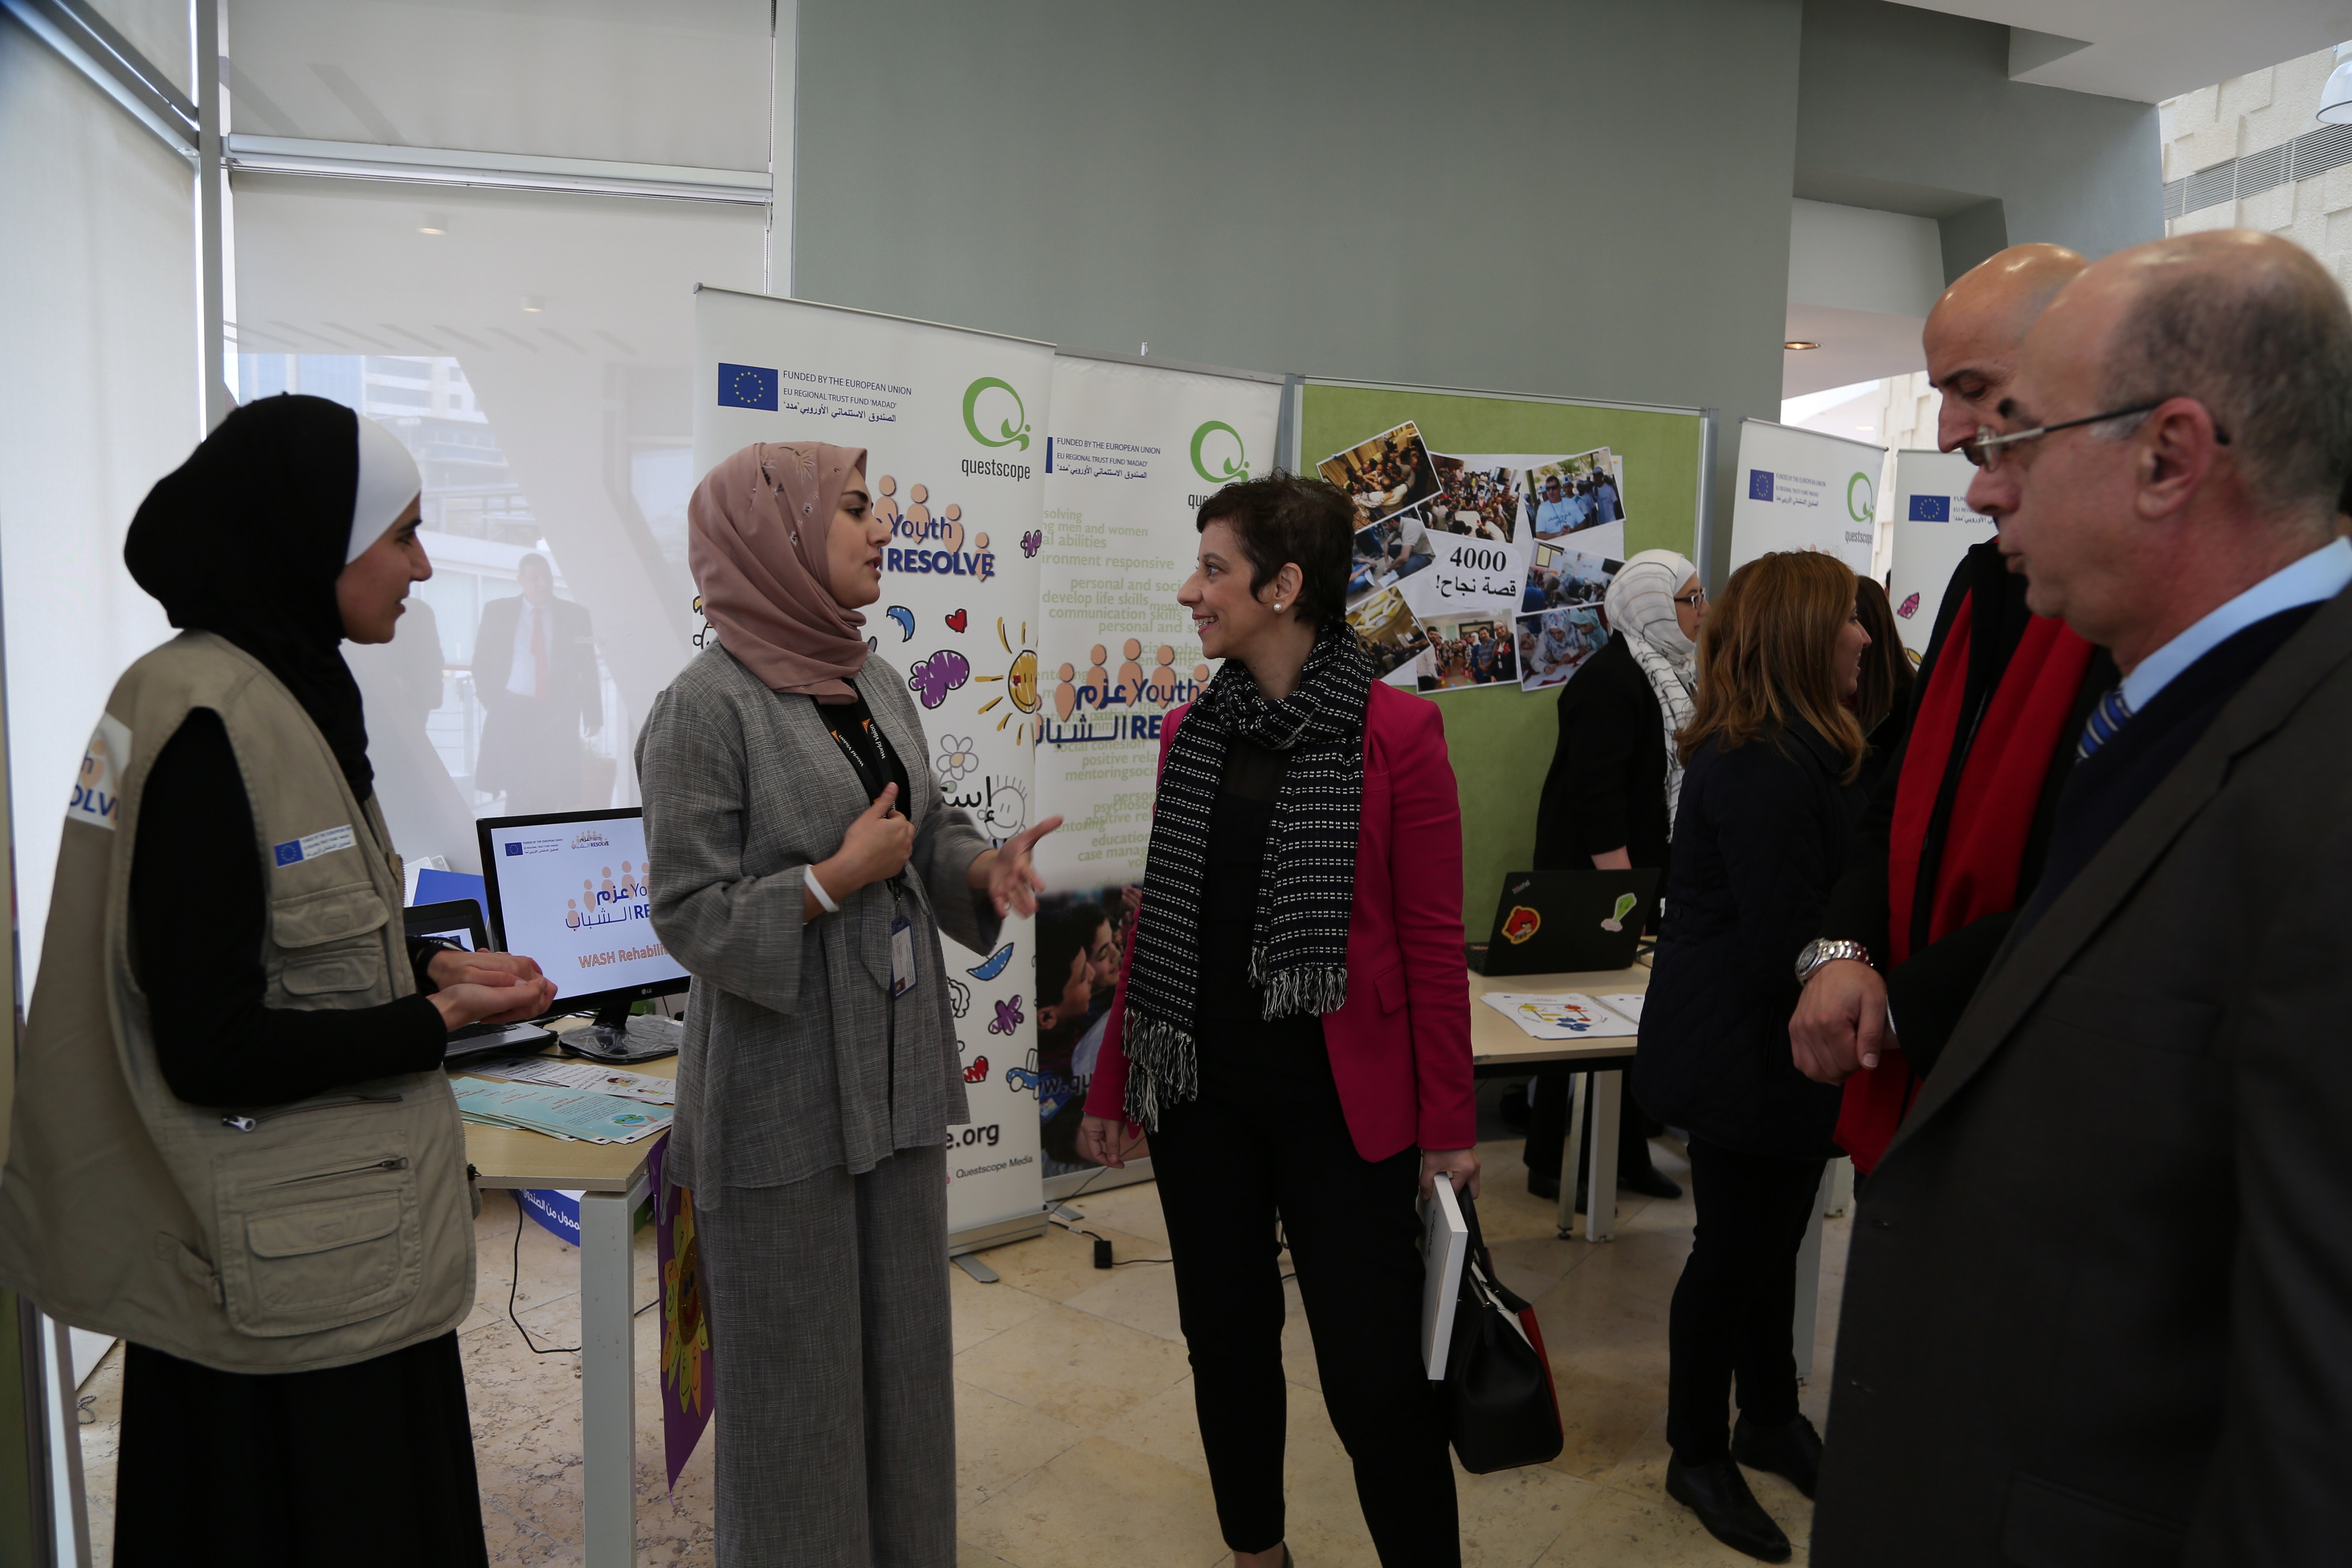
{"points": [[902, 956]]}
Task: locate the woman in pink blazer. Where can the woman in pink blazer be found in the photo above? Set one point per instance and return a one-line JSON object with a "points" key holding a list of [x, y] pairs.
{"points": [[1291, 1021]]}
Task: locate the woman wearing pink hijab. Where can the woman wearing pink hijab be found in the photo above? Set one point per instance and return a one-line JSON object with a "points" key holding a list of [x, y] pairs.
{"points": [[807, 870]]}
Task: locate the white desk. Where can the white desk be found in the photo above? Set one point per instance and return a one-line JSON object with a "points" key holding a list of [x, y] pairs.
{"points": [[1496, 1042], [611, 1180]]}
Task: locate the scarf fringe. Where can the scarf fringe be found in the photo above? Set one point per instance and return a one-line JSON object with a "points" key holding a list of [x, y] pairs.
{"points": [[1314, 988], [1163, 1067]]}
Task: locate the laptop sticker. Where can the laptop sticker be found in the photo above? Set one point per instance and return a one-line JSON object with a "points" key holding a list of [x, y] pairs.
{"points": [[1616, 921], [1522, 924]]}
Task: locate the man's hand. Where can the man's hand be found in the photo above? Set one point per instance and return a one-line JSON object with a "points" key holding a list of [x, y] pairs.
{"points": [[487, 988], [1461, 1164], [1840, 1026]]}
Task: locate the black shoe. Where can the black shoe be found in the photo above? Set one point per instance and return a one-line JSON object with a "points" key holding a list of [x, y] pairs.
{"points": [[1718, 1494], [1792, 1449], [1544, 1186], [1513, 1108], [1651, 1182]]}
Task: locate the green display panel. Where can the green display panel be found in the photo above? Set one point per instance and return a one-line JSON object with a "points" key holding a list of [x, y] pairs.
{"points": [[1501, 739]]}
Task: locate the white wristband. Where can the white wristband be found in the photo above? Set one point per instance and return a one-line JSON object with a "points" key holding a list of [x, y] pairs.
{"points": [[808, 875]]}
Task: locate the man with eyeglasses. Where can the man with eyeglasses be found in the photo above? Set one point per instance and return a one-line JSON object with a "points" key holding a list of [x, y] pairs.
{"points": [[1952, 844], [2149, 1363]]}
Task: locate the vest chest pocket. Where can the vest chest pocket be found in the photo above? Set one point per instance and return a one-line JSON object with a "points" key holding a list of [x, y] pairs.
{"points": [[319, 1235], [330, 947]]}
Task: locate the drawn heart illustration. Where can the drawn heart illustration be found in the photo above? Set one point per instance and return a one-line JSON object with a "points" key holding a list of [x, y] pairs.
{"points": [[958, 621]]}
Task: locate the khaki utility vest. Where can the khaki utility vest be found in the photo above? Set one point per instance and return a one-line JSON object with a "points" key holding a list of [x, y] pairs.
{"points": [[250, 1239]]}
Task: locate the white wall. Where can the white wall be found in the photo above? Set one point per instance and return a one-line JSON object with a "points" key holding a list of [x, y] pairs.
{"points": [[98, 331], [1858, 258]]}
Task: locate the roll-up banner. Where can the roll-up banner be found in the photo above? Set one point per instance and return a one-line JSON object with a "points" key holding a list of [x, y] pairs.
{"points": [[1135, 449], [954, 424], [1933, 527], [1800, 490]]}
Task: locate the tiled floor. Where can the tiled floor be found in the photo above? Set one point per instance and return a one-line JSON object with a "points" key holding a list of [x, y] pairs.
{"points": [[1075, 1440]]}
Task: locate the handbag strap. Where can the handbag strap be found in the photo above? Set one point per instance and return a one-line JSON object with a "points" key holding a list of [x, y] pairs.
{"points": [[1479, 1257]]}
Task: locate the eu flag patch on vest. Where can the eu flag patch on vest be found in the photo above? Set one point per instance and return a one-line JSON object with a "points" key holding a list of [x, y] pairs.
{"points": [[310, 846]]}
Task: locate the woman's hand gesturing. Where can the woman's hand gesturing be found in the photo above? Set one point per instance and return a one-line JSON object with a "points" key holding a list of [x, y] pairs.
{"points": [[1005, 875]]}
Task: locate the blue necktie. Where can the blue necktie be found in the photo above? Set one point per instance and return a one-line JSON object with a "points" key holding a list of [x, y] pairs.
{"points": [[2106, 719]]}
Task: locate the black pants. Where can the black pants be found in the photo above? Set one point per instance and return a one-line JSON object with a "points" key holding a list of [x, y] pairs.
{"points": [[1548, 1125], [1735, 1306], [1268, 1144]]}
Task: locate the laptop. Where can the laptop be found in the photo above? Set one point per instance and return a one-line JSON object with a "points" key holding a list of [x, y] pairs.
{"points": [[1566, 922], [460, 920]]}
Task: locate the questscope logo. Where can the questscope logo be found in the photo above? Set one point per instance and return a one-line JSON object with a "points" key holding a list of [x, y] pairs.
{"points": [[1866, 509], [1011, 432], [1233, 466]]}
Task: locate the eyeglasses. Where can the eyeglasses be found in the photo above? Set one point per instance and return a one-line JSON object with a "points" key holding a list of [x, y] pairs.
{"points": [[1985, 451], [1695, 596]]}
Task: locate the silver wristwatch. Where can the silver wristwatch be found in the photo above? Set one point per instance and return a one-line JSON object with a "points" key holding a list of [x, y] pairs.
{"points": [[1824, 950]]}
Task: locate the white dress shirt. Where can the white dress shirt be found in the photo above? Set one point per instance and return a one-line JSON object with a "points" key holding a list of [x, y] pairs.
{"points": [[2318, 576], [522, 678]]}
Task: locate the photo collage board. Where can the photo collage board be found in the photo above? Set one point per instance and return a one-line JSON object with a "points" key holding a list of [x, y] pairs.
{"points": [[1479, 569]]}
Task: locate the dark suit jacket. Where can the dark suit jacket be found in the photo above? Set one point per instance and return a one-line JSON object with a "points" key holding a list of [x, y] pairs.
{"points": [[571, 648], [2141, 1354]]}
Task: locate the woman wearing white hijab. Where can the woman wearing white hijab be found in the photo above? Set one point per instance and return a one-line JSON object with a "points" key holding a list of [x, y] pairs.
{"points": [[1609, 800]]}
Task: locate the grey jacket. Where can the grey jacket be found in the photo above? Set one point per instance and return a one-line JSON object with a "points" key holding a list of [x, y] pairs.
{"points": [[793, 1061]]}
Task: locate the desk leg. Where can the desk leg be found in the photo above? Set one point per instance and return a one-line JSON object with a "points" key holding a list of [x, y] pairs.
{"points": [[1809, 1277], [1601, 1160], [608, 1426], [1572, 1154]]}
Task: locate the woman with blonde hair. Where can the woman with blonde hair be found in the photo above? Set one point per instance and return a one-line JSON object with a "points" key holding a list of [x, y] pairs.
{"points": [[1769, 759]]}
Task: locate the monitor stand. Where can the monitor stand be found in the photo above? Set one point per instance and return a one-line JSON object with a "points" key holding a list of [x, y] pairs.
{"points": [[617, 1037]]}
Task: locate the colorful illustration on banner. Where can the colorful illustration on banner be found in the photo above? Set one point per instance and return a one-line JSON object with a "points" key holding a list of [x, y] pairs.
{"points": [[1484, 501], [958, 620], [898, 613], [956, 759], [1386, 553], [1008, 1017], [1385, 624], [702, 636], [1468, 650], [1031, 541], [959, 995], [1388, 474], [1019, 682], [1555, 644], [1570, 494], [978, 1072], [994, 965], [1002, 804], [1910, 606], [932, 679]]}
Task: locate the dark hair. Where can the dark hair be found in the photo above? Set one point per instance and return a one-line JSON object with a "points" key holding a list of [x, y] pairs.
{"points": [[1060, 937], [2265, 342], [1286, 518], [1886, 677]]}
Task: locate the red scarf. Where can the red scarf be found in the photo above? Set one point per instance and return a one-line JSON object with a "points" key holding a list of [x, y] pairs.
{"points": [[1984, 840]]}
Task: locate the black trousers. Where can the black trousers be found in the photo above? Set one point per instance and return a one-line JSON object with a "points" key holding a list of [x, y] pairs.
{"points": [[1268, 1144], [1736, 1305], [1548, 1125]]}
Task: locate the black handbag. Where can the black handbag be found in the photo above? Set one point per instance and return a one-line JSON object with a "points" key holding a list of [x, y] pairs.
{"points": [[1501, 1409]]}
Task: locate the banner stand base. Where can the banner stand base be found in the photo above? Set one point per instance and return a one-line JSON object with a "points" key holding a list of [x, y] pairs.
{"points": [[1099, 1179], [1020, 1227]]}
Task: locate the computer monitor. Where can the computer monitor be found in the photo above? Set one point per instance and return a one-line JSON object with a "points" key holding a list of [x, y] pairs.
{"points": [[567, 889]]}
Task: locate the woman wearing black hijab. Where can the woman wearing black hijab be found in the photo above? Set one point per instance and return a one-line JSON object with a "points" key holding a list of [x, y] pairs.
{"points": [[292, 527]]}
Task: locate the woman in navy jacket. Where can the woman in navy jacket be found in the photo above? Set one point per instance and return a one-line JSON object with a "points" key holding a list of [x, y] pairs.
{"points": [[1768, 796]]}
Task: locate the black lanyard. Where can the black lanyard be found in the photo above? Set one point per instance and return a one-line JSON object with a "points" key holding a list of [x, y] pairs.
{"points": [[865, 747]]}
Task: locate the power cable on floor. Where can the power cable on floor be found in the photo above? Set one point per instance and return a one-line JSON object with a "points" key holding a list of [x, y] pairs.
{"points": [[514, 1280]]}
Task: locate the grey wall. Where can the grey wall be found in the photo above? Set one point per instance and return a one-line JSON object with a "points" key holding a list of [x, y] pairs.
{"points": [[1579, 197], [1913, 110]]}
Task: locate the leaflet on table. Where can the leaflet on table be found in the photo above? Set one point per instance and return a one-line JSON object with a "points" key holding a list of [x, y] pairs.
{"points": [[1561, 1016], [1626, 1001], [572, 1114], [636, 1086]]}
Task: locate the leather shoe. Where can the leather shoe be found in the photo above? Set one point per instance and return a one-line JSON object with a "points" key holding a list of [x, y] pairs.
{"points": [[1792, 1449], [1544, 1186], [1651, 1182], [1718, 1494]]}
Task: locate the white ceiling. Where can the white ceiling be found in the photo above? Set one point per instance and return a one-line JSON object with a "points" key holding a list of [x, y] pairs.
{"points": [[2156, 50]]}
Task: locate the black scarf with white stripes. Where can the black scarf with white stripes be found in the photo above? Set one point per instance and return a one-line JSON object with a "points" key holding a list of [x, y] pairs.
{"points": [[1298, 951]]}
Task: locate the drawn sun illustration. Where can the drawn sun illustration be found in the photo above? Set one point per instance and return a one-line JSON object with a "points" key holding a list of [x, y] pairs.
{"points": [[956, 759], [1020, 681]]}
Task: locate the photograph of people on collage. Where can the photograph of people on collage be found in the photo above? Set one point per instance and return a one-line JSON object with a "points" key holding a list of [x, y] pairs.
{"points": [[1562, 580], [1386, 475], [1574, 493], [1079, 938], [1465, 653], [1554, 645], [1484, 501], [1386, 553]]}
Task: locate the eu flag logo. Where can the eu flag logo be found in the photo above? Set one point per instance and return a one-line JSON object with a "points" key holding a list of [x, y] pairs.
{"points": [[1931, 509], [1760, 484], [747, 386]]}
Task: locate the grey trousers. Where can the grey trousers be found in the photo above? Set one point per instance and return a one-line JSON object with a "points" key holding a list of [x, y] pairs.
{"points": [[836, 1401]]}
